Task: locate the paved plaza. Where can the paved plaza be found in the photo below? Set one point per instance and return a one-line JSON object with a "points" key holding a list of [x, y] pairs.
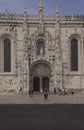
{"points": [[42, 117], [25, 98], [58, 112]]}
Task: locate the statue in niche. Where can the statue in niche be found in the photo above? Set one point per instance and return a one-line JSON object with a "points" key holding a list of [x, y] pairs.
{"points": [[41, 51], [40, 48]]}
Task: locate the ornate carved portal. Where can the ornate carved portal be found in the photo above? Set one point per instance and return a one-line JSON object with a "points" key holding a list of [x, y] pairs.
{"points": [[40, 77]]}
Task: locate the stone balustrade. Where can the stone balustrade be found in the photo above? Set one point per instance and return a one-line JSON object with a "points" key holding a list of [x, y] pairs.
{"points": [[71, 17], [10, 16]]}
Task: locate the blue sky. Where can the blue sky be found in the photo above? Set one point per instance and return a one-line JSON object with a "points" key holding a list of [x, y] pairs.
{"points": [[65, 6]]}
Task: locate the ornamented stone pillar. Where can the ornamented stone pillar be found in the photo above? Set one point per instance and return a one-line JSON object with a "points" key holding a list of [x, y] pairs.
{"points": [[58, 51], [40, 15], [25, 54], [25, 67], [20, 75]]}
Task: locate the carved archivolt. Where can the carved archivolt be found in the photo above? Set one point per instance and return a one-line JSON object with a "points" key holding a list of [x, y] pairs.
{"points": [[36, 37], [41, 69], [46, 63], [74, 36]]}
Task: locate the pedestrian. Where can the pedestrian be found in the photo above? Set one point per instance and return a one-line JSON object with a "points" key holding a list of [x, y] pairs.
{"points": [[46, 93], [54, 90], [20, 90], [72, 91], [65, 91], [30, 92]]}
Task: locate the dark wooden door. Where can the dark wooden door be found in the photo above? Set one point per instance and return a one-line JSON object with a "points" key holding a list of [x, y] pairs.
{"points": [[36, 84], [45, 83]]}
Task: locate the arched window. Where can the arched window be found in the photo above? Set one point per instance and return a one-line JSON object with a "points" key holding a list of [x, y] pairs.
{"points": [[40, 48], [7, 55], [74, 55]]}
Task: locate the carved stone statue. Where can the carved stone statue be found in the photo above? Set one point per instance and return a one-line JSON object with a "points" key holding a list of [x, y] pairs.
{"points": [[41, 51]]}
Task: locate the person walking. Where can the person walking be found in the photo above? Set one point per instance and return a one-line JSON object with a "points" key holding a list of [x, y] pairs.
{"points": [[45, 93], [20, 90], [54, 90], [72, 91]]}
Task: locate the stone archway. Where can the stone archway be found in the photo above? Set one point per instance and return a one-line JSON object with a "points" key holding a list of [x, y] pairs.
{"points": [[40, 77]]}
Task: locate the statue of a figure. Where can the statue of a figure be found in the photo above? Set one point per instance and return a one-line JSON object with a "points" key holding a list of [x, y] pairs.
{"points": [[41, 51]]}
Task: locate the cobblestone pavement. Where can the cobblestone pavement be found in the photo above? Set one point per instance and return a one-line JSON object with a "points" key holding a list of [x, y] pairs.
{"points": [[24, 98]]}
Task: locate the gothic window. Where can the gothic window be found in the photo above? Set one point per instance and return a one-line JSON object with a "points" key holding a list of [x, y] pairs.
{"points": [[40, 48], [7, 55], [74, 55]]}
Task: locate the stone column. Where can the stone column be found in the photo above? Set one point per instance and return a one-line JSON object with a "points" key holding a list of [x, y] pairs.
{"points": [[41, 84]]}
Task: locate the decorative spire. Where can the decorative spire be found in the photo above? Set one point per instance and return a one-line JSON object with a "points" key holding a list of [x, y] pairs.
{"points": [[40, 15], [25, 8], [40, 5], [57, 13], [25, 12]]}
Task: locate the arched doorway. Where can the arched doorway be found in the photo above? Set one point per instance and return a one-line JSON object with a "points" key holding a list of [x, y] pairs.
{"points": [[40, 75]]}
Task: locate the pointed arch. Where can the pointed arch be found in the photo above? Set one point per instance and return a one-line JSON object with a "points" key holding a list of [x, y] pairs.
{"points": [[7, 53], [38, 43], [74, 49], [74, 54]]}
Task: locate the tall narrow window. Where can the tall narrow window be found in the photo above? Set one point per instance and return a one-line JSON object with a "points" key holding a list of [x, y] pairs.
{"points": [[7, 55], [40, 48], [74, 55]]}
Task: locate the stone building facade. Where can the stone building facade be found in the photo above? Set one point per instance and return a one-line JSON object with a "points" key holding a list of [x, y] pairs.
{"points": [[38, 51]]}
